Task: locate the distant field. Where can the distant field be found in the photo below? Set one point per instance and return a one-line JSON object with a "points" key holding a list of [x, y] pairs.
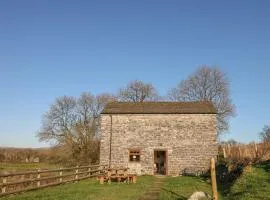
{"points": [[11, 167]]}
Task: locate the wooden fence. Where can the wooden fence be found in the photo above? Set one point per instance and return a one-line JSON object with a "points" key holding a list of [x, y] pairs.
{"points": [[253, 151], [12, 183]]}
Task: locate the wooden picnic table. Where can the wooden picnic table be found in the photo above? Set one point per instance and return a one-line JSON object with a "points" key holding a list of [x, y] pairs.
{"points": [[118, 174]]}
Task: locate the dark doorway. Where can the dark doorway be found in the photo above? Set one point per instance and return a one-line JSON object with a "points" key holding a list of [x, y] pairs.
{"points": [[160, 162]]}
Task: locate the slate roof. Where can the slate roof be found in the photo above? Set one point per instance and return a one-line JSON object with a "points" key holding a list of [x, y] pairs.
{"points": [[198, 107]]}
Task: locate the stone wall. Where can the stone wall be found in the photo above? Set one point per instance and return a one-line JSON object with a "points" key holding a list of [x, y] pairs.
{"points": [[189, 139]]}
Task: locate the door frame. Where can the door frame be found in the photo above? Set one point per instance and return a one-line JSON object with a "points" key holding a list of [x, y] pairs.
{"points": [[166, 159]]}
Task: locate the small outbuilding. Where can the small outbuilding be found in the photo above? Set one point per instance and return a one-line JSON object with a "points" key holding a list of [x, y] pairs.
{"points": [[166, 138]]}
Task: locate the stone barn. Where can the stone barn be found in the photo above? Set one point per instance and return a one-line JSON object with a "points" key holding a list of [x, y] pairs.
{"points": [[158, 137]]}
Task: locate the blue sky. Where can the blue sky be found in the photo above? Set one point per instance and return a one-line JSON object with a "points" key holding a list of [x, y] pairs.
{"points": [[54, 48]]}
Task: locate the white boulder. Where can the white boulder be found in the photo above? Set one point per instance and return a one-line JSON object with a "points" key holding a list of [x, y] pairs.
{"points": [[199, 196]]}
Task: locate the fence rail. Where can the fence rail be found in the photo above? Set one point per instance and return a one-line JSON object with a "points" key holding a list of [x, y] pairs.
{"points": [[12, 183], [253, 151]]}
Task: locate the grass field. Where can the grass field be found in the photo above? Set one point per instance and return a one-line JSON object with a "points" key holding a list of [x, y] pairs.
{"points": [[253, 184], [180, 188], [90, 189], [11, 167], [174, 189]]}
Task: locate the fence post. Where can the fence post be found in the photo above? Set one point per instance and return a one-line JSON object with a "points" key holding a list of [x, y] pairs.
{"points": [[76, 174], [38, 177], [60, 174], [4, 187], [239, 149], [229, 150], [224, 152], [213, 180], [22, 177], [89, 172], [256, 150]]}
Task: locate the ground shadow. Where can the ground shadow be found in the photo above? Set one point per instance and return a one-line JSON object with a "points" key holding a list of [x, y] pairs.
{"points": [[226, 178], [264, 165]]}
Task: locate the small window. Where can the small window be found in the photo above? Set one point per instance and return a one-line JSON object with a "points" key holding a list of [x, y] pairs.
{"points": [[134, 155]]}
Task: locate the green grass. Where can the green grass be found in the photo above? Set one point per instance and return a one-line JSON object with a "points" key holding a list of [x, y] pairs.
{"points": [[10, 167], [253, 184], [180, 188], [90, 189]]}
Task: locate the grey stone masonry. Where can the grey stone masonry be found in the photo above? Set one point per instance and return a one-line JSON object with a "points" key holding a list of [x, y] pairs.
{"points": [[190, 140]]}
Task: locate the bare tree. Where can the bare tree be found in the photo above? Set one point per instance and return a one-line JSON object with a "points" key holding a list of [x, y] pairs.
{"points": [[85, 105], [59, 120], [89, 108], [85, 148], [230, 142], [138, 91], [74, 124], [265, 134], [100, 102], [207, 84]]}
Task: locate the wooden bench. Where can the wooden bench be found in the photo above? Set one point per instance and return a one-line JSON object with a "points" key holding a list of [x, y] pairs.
{"points": [[132, 178], [120, 175]]}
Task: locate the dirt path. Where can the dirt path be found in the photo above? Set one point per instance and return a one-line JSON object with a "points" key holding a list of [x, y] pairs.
{"points": [[153, 192]]}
